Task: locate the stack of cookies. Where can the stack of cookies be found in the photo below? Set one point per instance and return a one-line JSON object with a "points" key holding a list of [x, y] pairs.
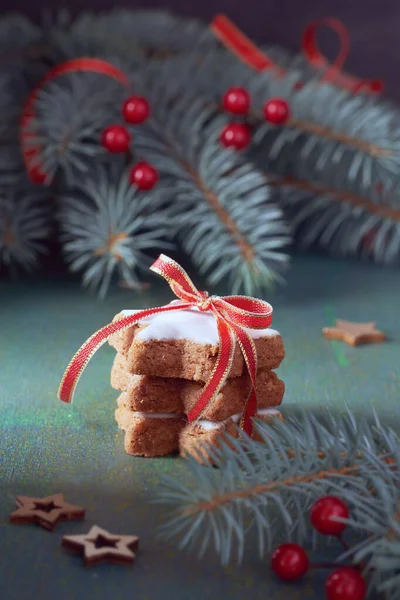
{"points": [[161, 367]]}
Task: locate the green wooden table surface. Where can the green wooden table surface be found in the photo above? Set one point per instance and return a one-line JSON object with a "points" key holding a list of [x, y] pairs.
{"points": [[48, 447]]}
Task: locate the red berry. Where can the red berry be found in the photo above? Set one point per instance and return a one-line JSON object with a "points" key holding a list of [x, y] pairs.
{"points": [[345, 584], [235, 135], [289, 562], [36, 174], [144, 176], [135, 110], [236, 100], [322, 512], [116, 138], [276, 111]]}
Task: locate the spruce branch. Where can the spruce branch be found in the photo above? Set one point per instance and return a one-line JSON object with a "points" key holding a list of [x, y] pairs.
{"points": [[356, 128], [358, 132], [17, 34], [71, 113], [24, 227], [219, 204], [246, 230], [131, 36], [155, 31], [270, 485], [377, 520], [11, 166], [22, 53], [108, 227], [333, 167], [342, 223]]}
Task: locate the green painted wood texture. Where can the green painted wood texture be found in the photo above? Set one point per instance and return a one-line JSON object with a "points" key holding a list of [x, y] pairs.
{"points": [[48, 447]]}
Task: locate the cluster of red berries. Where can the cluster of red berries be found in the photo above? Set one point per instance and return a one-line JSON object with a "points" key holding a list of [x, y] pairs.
{"points": [[237, 101], [290, 561], [116, 139]]}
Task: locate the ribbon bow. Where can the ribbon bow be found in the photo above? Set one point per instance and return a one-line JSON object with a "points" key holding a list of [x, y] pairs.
{"points": [[233, 314]]}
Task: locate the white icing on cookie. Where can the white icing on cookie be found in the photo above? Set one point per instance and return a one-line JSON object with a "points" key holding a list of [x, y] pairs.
{"points": [[263, 412], [188, 324], [210, 425], [204, 423], [161, 415]]}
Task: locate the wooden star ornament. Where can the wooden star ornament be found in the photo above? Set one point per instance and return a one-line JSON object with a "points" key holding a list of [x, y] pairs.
{"points": [[354, 334], [98, 546], [45, 512]]}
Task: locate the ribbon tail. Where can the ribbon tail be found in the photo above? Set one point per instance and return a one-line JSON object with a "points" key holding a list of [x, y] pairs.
{"points": [[247, 346], [220, 371], [250, 411], [241, 45], [334, 73], [82, 357]]}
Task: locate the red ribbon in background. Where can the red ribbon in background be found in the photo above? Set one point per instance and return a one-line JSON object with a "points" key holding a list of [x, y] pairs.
{"points": [[248, 52], [232, 313], [233, 39], [31, 152]]}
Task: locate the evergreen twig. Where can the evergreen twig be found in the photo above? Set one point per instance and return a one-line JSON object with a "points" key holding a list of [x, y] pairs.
{"points": [[331, 172], [270, 485], [25, 224], [333, 165], [108, 227], [224, 217]]}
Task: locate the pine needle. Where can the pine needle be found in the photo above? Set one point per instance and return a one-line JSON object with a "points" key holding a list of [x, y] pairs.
{"points": [[107, 227], [24, 228]]}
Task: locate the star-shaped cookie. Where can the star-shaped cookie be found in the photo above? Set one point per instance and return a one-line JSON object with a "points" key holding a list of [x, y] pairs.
{"points": [[46, 512], [98, 545], [354, 333]]}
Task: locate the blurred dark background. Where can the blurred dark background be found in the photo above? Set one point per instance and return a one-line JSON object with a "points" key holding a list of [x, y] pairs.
{"points": [[374, 25]]}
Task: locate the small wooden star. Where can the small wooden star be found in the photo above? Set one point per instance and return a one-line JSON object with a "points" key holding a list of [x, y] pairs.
{"points": [[354, 333], [98, 545], [46, 512]]}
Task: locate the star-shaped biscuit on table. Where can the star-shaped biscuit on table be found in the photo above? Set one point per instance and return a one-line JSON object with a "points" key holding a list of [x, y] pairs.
{"points": [[99, 545], [354, 333], [46, 512]]}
